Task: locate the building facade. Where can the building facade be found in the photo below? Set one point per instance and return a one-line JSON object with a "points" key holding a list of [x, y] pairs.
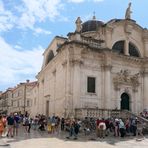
{"points": [[18, 99], [98, 66]]}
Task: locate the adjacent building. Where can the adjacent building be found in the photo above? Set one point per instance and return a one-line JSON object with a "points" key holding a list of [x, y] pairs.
{"points": [[17, 99]]}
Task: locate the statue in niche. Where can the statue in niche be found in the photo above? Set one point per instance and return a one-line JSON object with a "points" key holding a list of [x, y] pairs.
{"points": [[128, 12]]}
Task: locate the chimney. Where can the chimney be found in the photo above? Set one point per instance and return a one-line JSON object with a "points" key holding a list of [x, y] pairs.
{"points": [[27, 81]]}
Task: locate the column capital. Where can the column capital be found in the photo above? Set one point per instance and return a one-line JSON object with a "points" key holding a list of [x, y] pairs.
{"points": [[106, 67]]}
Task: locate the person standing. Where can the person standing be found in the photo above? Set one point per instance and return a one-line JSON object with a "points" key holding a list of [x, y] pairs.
{"points": [[10, 123], [116, 125], [102, 129], [16, 124], [134, 126], [121, 128], [1, 126], [62, 124]]}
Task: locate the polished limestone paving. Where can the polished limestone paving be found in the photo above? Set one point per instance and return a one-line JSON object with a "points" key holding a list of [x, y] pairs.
{"points": [[38, 139]]}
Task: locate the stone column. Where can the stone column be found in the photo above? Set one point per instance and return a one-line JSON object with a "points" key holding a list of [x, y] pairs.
{"points": [[68, 86], [145, 89], [117, 100], [126, 47], [109, 37], [133, 102], [54, 95], [107, 87], [145, 40]]}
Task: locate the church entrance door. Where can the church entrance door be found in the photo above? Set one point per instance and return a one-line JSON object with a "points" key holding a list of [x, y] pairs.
{"points": [[125, 104]]}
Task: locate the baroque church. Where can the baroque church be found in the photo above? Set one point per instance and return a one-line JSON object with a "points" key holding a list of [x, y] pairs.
{"points": [[99, 66]]}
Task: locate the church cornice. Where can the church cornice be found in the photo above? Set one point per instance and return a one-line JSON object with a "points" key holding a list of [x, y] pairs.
{"points": [[130, 59]]}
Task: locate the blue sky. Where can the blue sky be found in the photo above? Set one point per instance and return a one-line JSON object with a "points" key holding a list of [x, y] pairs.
{"points": [[28, 26]]}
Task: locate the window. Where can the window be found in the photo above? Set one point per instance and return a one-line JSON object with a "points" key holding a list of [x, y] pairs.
{"points": [[49, 57], [119, 47], [18, 103], [28, 103], [91, 86], [12, 103]]}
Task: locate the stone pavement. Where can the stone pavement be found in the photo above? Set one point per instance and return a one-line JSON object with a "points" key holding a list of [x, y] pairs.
{"points": [[37, 139]]}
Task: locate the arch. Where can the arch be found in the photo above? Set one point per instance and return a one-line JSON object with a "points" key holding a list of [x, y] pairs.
{"points": [[118, 47], [49, 57], [125, 101], [133, 50]]}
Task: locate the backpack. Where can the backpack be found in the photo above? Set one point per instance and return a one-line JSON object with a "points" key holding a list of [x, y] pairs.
{"points": [[26, 121]]}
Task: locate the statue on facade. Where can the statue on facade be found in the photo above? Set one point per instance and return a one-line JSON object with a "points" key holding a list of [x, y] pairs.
{"points": [[128, 12], [78, 24]]}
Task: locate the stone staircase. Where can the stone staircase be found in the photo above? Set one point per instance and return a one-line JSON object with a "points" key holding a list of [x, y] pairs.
{"points": [[127, 114]]}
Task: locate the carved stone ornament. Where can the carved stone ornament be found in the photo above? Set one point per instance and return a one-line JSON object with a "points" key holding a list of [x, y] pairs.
{"points": [[124, 77], [99, 35], [128, 12]]}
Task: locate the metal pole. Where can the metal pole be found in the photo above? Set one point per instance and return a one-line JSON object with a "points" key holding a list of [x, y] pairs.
{"points": [[24, 98]]}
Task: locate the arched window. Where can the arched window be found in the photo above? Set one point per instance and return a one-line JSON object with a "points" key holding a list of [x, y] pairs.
{"points": [[118, 47], [133, 51], [49, 57]]}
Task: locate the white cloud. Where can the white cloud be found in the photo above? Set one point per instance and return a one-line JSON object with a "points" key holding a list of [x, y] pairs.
{"points": [[98, 0], [29, 13], [15, 64], [41, 31], [17, 47], [7, 19], [76, 1], [80, 1], [38, 11]]}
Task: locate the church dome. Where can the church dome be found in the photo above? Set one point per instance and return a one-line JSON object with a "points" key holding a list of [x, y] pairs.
{"points": [[91, 25]]}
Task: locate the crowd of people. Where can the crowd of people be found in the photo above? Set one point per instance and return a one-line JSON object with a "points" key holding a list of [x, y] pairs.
{"points": [[10, 124]]}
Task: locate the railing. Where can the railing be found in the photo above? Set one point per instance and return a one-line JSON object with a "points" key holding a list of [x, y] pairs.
{"points": [[92, 42], [96, 113], [138, 116], [106, 113]]}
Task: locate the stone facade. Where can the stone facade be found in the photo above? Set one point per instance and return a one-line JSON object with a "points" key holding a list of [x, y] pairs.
{"points": [[113, 54], [18, 99]]}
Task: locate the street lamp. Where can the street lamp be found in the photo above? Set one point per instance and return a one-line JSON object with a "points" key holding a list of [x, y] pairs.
{"points": [[24, 98]]}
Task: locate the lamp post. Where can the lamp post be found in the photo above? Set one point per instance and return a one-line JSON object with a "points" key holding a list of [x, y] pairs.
{"points": [[24, 98]]}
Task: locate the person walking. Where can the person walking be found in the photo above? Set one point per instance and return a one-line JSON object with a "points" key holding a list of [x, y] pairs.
{"points": [[139, 131]]}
